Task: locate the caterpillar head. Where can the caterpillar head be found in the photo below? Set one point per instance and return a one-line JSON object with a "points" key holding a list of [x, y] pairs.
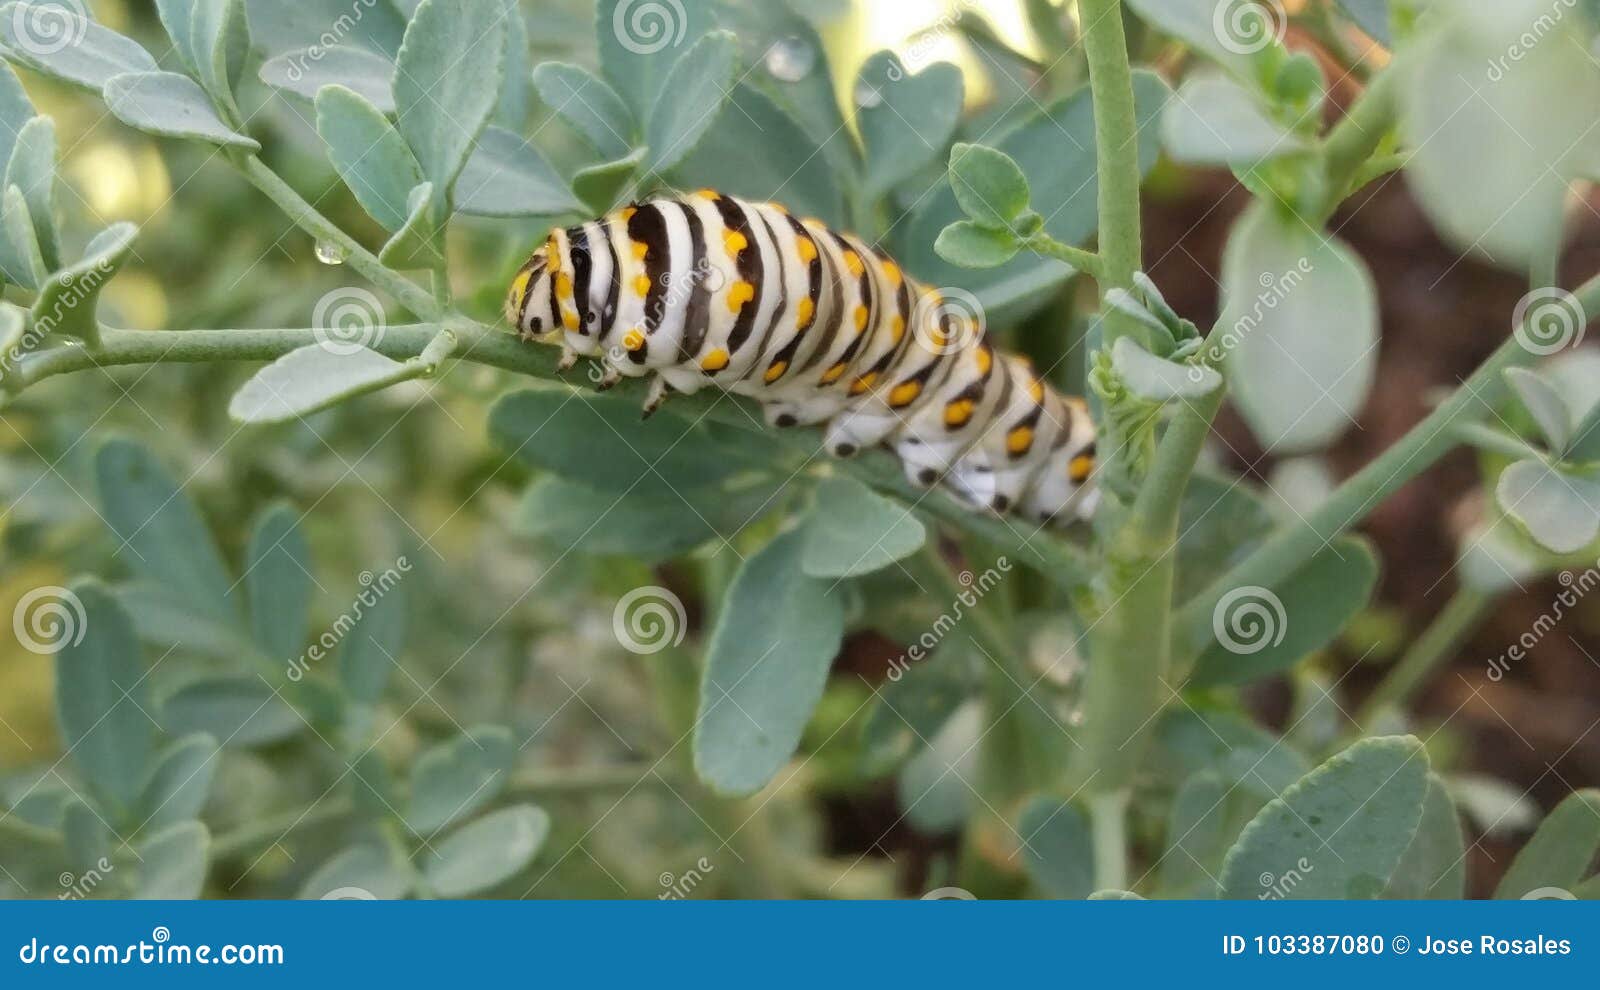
{"points": [[528, 304]]}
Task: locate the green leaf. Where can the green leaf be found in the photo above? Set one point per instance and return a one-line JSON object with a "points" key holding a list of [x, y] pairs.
{"points": [[1057, 848], [1158, 379], [966, 244], [304, 73], [88, 836], [372, 649], [368, 871], [1261, 631], [506, 176], [20, 257], [32, 169], [315, 377], [172, 865], [756, 150], [278, 582], [600, 187], [1435, 865], [171, 105], [237, 711], [1215, 121], [1299, 327], [15, 110], [1232, 32], [1560, 852], [178, 17], [180, 784], [454, 779], [102, 694], [512, 109], [219, 42], [692, 96], [1585, 445], [852, 531], [369, 153], [446, 83], [600, 441], [416, 244], [59, 41], [1523, 122], [989, 185], [933, 788], [1339, 832], [592, 108], [162, 536], [776, 635], [277, 27], [650, 522], [486, 852], [908, 125], [911, 707], [68, 301], [1560, 509], [1545, 404], [640, 43], [1207, 814]]}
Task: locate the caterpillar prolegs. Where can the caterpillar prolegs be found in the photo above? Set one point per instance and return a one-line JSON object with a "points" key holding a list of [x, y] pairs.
{"points": [[820, 328]]}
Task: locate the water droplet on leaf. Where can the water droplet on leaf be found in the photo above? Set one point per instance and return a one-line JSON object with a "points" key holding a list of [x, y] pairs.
{"points": [[791, 59], [867, 95], [330, 253]]}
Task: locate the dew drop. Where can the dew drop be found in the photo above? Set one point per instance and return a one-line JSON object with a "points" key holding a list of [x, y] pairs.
{"points": [[330, 253], [791, 59], [867, 95]]}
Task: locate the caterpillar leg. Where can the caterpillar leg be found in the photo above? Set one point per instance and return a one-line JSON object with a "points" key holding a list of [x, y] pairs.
{"points": [[608, 380], [852, 432], [660, 388], [569, 357]]}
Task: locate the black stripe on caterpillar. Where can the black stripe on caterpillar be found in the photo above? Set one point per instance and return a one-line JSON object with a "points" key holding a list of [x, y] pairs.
{"points": [[710, 290]]}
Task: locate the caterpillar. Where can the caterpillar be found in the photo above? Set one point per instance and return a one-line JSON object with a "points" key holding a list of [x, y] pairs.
{"points": [[708, 290]]}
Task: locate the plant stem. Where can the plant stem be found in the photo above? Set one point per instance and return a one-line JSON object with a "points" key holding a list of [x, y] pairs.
{"points": [[1352, 142], [1084, 261], [1116, 142], [1460, 618], [1295, 543], [1108, 830]]}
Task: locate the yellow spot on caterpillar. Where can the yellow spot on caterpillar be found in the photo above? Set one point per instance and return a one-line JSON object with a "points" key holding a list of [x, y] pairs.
{"points": [[897, 328], [634, 339], [807, 248], [852, 261], [832, 374], [1019, 440], [904, 394], [861, 318], [640, 249], [740, 293], [891, 271], [1036, 390], [779, 207], [805, 313], [641, 285], [1080, 468], [735, 242], [710, 195], [563, 286], [863, 383], [958, 413], [569, 319], [519, 287], [985, 359], [714, 361], [775, 371], [628, 212]]}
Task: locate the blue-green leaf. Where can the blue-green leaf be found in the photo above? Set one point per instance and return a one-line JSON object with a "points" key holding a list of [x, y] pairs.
{"points": [[486, 852], [454, 779], [103, 696], [59, 41], [162, 536], [966, 244], [369, 153], [1546, 406], [1561, 851], [1215, 121], [907, 123], [506, 176], [1435, 865], [692, 96], [68, 300], [854, 531], [315, 377], [640, 42], [446, 83], [589, 105], [32, 169], [171, 105], [172, 865], [1056, 848], [600, 187], [1560, 509], [278, 583], [20, 257], [181, 782], [304, 73], [367, 871], [989, 185], [776, 635], [277, 27], [372, 648], [219, 42], [418, 242], [1158, 379], [236, 711], [1339, 832]]}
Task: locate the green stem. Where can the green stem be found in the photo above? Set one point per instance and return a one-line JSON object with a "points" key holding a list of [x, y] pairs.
{"points": [[1116, 135], [1459, 619], [1352, 142], [1084, 261], [1296, 542], [305, 216], [1108, 830]]}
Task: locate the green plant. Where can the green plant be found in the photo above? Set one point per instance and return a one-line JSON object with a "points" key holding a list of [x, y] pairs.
{"points": [[1147, 776]]}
